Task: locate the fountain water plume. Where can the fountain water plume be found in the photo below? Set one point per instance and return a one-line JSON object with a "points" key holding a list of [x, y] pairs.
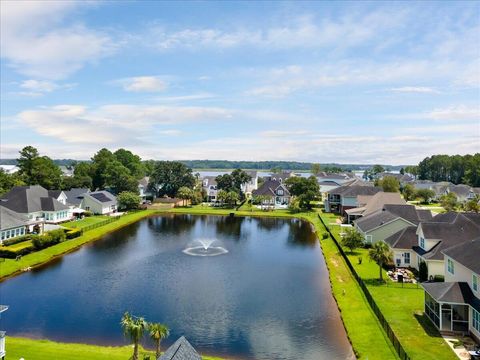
{"points": [[205, 248]]}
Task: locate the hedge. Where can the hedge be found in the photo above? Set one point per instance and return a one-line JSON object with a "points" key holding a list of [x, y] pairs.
{"points": [[50, 238], [17, 240], [72, 233]]}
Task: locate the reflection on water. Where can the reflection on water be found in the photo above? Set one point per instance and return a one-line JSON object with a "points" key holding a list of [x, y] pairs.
{"points": [[267, 298]]}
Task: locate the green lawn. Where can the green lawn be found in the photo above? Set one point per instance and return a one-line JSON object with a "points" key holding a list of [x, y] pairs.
{"points": [[86, 221], [48, 350], [402, 307], [18, 246]]}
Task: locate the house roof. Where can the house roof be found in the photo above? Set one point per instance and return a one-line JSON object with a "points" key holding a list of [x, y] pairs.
{"points": [[452, 292], [54, 193], [328, 183], [210, 180], [28, 199], [268, 188], [466, 254], [403, 239], [180, 350], [460, 190], [380, 199], [10, 219], [386, 214], [75, 195], [355, 190], [102, 197], [144, 181]]}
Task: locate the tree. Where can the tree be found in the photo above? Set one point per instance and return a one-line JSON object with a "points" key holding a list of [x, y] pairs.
{"points": [[134, 328], [222, 196], [76, 182], [169, 176], [100, 161], [8, 181], [128, 200], [449, 201], [119, 179], [423, 271], [294, 205], [25, 162], [425, 195], [316, 169], [225, 182], [185, 193], [157, 333], [377, 169], [389, 184], [409, 192], [352, 239], [402, 171], [132, 162], [232, 198], [473, 205], [276, 170], [45, 173], [233, 182], [381, 254], [306, 189]]}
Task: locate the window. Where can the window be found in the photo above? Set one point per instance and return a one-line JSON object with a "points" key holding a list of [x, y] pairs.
{"points": [[280, 192], [422, 243], [406, 258], [450, 266], [3, 235], [368, 238], [476, 320], [17, 232], [475, 282]]}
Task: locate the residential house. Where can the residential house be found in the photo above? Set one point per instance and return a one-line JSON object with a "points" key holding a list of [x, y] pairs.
{"points": [[38, 203], [209, 185], [345, 197], [454, 305], [143, 191], [251, 185], [463, 192], [12, 224], [75, 195], [180, 350], [67, 171], [99, 202], [275, 194], [403, 179], [368, 204], [390, 219], [3, 352], [442, 232], [281, 177]]}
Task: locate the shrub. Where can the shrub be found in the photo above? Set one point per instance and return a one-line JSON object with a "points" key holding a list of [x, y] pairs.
{"points": [[423, 271], [439, 278], [17, 240], [7, 254], [325, 235], [73, 233], [87, 213], [49, 239]]}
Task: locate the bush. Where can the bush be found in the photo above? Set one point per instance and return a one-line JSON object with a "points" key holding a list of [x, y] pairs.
{"points": [[423, 271], [7, 254], [49, 239], [367, 245], [325, 235], [17, 240], [73, 233], [439, 278], [87, 213]]}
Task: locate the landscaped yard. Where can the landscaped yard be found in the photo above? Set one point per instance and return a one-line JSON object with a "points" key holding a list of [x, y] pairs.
{"points": [[402, 307], [87, 221], [48, 350], [18, 246]]}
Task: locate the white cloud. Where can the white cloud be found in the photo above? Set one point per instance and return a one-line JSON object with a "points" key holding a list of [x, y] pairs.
{"points": [[35, 88], [455, 112], [36, 43], [415, 89], [143, 84], [180, 98]]}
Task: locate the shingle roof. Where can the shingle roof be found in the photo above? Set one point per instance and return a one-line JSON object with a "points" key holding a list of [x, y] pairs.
{"points": [[452, 292], [388, 213], [54, 193], [268, 188], [27, 199], [355, 190], [103, 197], [51, 204], [75, 195], [403, 239], [467, 254], [380, 200], [10, 219], [180, 350]]}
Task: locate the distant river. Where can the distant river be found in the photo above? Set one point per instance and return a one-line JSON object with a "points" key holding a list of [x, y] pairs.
{"points": [[268, 298]]}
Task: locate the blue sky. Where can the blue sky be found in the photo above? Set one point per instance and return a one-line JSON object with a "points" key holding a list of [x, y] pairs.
{"points": [[349, 82]]}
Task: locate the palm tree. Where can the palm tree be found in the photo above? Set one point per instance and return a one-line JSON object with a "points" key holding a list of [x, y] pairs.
{"points": [[381, 254], [134, 328], [157, 333]]}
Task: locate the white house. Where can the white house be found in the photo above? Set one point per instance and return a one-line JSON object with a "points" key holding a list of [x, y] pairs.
{"points": [[99, 202], [251, 185], [37, 203], [3, 352], [454, 305], [12, 224], [209, 185]]}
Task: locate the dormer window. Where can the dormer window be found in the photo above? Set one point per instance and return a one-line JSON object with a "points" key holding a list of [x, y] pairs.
{"points": [[422, 243], [450, 267]]}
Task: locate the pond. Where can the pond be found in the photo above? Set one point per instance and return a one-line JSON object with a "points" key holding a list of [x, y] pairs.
{"points": [[266, 295]]}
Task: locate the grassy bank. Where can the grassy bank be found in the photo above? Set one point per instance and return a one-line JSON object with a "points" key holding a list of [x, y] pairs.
{"points": [[49, 350], [402, 307], [10, 266]]}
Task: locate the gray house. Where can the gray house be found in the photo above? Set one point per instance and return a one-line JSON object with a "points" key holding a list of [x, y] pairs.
{"points": [[180, 350], [275, 194], [99, 202], [12, 224]]}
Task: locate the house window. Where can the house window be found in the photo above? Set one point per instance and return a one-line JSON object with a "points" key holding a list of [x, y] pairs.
{"points": [[450, 266], [369, 238], [406, 258], [422, 243], [280, 192], [475, 282], [3, 235], [476, 320], [17, 232]]}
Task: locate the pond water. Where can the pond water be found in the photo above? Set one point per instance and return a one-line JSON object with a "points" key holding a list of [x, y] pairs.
{"points": [[266, 297]]}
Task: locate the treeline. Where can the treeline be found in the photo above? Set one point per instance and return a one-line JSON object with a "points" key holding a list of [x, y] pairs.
{"points": [[456, 169]]}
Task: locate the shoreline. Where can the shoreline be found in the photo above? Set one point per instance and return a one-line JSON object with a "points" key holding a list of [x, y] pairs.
{"points": [[337, 288]]}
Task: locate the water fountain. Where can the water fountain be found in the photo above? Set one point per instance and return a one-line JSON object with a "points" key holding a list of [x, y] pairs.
{"points": [[205, 248]]}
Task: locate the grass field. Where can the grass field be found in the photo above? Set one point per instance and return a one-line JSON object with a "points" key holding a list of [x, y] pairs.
{"points": [[402, 307], [48, 350], [87, 221]]}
